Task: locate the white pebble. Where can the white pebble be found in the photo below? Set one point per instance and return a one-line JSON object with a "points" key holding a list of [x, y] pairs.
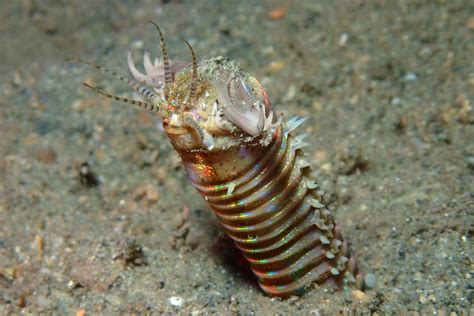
{"points": [[369, 280], [396, 101], [343, 39], [411, 76], [176, 301]]}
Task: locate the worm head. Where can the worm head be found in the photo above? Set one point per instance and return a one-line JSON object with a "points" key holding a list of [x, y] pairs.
{"points": [[230, 108]]}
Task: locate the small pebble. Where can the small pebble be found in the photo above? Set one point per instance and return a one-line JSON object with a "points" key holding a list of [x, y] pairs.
{"points": [[396, 101], [470, 23], [45, 155], [176, 301], [147, 192], [86, 176], [359, 296], [432, 298], [369, 280], [181, 218], [423, 299], [81, 312], [194, 238], [470, 162], [411, 76], [277, 13], [343, 39], [276, 66]]}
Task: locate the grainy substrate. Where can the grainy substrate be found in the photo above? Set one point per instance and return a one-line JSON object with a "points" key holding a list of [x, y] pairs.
{"points": [[96, 214]]}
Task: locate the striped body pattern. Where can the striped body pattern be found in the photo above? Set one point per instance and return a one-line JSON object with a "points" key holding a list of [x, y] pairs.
{"points": [[249, 166], [274, 214]]}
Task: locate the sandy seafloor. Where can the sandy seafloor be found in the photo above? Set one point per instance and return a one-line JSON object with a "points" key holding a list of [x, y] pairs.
{"points": [[94, 202]]}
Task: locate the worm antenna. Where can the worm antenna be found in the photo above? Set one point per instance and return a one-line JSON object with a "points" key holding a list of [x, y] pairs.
{"points": [[150, 107], [152, 97], [166, 62], [189, 121], [203, 136], [192, 94]]}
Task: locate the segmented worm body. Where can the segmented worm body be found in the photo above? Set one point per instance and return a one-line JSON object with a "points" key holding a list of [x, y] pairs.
{"points": [[249, 166]]}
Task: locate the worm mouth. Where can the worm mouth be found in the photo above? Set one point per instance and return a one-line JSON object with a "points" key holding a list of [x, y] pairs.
{"points": [[175, 130], [183, 138]]}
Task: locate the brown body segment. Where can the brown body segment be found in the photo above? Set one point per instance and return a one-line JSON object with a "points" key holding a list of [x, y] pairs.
{"points": [[261, 196]]}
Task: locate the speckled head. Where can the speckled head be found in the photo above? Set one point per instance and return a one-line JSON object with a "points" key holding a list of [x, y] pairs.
{"points": [[223, 108], [209, 108], [210, 105]]}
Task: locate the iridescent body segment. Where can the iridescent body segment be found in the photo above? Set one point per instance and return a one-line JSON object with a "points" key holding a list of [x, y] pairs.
{"points": [[250, 168]]}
